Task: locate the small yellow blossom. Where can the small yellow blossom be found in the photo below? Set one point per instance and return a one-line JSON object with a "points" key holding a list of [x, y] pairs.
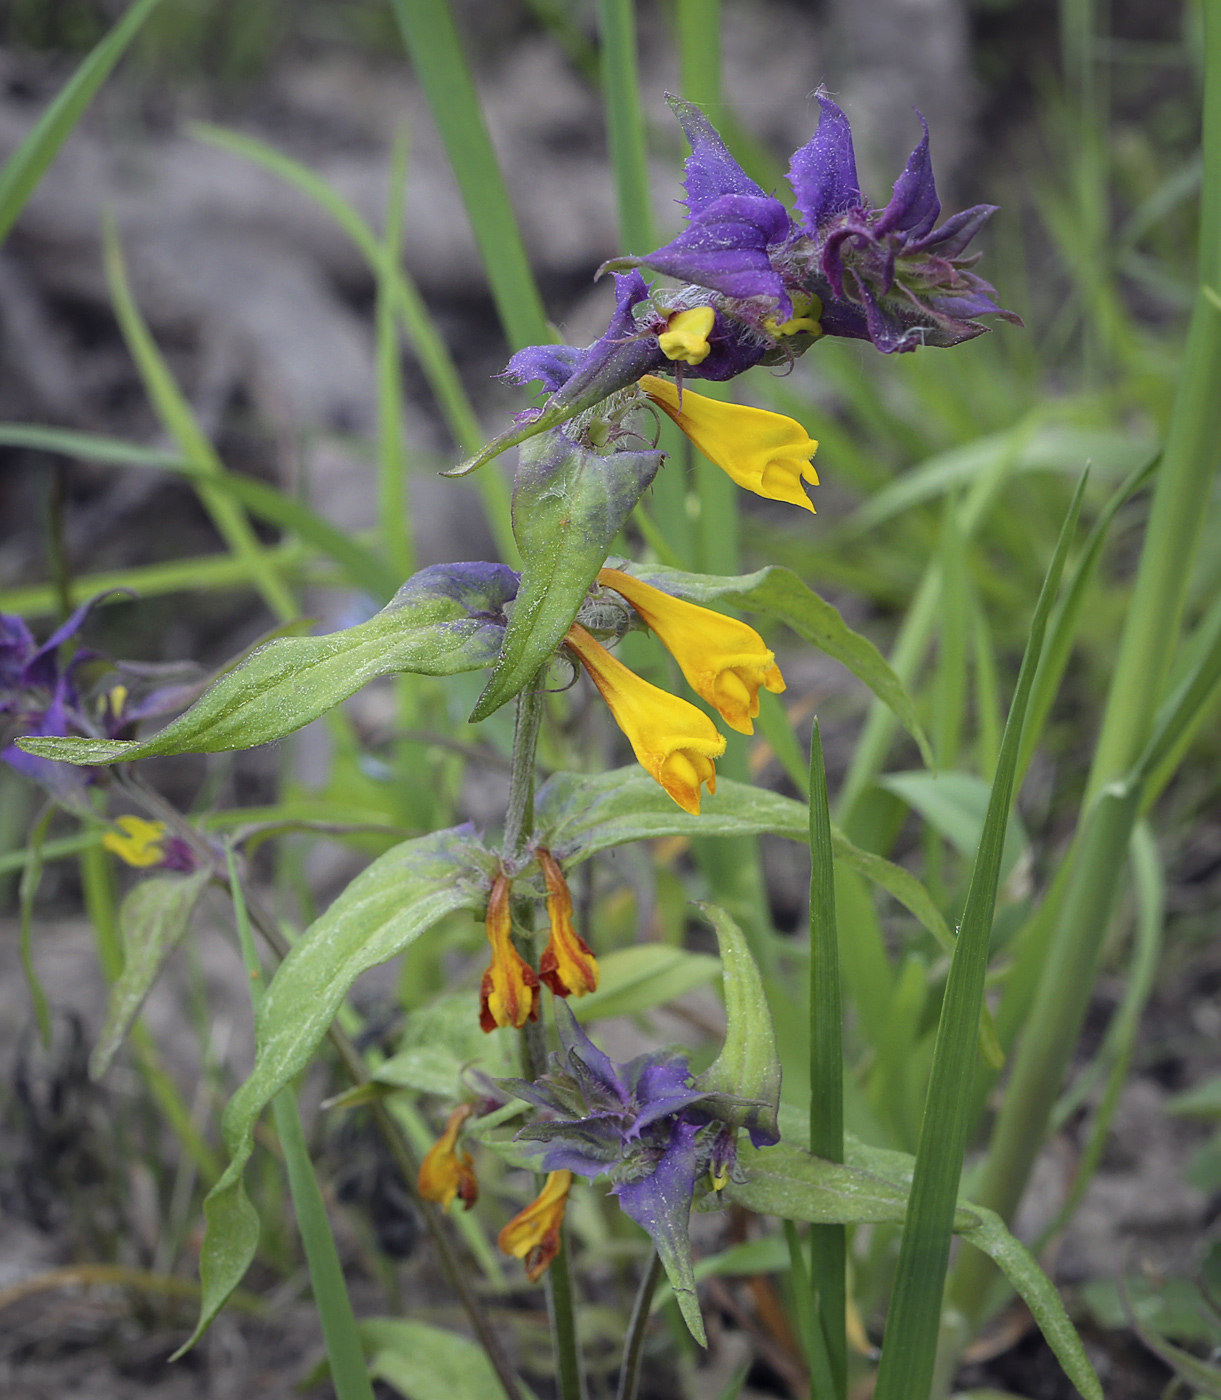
{"points": [[445, 1173], [568, 965], [763, 452], [533, 1235], [673, 741], [140, 841], [725, 661], [686, 335], [508, 995], [804, 321]]}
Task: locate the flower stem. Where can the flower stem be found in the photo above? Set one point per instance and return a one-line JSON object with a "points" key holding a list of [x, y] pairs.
{"points": [[519, 826], [633, 1345]]}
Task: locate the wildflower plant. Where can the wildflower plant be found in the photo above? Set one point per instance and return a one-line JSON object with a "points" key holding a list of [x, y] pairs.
{"points": [[757, 287]]}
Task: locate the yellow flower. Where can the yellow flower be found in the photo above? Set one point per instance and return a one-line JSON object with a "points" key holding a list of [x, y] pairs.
{"points": [[764, 452], [804, 321], [445, 1173], [724, 660], [533, 1235], [568, 965], [686, 334], [140, 844], [508, 995], [673, 741]]}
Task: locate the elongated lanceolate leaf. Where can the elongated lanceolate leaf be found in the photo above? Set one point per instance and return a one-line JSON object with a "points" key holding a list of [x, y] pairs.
{"points": [[955, 805], [779, 593], [748, 1066], [445, 619], [423, 1362], [579, 816], [382, 911], [568, 505], [152, 921], [873, 1187]]}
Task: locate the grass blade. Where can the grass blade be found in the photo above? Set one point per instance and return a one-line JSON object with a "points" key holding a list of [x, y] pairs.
{"points": [[827, 1242], [436, 53], [178, 420], [26, 166], [430, 349], [343, 1344], [393, 468], [365, 570], [625, 124], [912, 1327]]}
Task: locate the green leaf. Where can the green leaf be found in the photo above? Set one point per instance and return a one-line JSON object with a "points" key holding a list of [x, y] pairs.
{"points": [[382, 911], [955, 805], [1039, 1294], [748, 1066], [423, 1362], [25, 167], [873, 1188], [432, 627], [779, 593], [439, 1041], [1202, 1101], [152, 921], [568, 506], [643, 976], [578, 816]]}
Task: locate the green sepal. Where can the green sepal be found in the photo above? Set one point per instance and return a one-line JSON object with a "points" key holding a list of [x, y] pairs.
{"points": [[748, 1067], [443, 620], [569, 504], [400, 895], [152, 920], [779, 593]]}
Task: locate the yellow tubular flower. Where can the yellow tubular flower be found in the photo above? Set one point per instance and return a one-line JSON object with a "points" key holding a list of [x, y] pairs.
{"points": [[533, 1235], [686, 335], [445, 1173], [673, 741], [568, 965], [140, 842], [508, 995], [724, 660], [763, 452]]}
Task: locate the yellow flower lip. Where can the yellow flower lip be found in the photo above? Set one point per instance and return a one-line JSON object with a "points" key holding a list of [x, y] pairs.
{"points": [[533, 1235], [446, 1174], [724, 660], [137, 842], [568, 965], [508, 994], [686, 335], [763, 452], [673, 741]]}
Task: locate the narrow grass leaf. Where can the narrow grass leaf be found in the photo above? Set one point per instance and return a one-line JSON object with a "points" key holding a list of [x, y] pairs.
{"points": [[956, 805], [828, 1247], [625, 124], [909, 1348], [436, 53], [178, 420], [27, 892], [344, 1352], [394, 900], [25, 167]]}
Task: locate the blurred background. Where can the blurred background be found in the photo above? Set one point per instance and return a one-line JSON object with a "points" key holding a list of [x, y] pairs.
{"points": [[1080, 119]]}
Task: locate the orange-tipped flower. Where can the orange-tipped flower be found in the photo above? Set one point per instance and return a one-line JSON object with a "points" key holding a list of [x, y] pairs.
{"points": [[445, 1173], [568, 965], [764, 452], [533, 1235], [673, 741], [508, 995], [724, 660]]}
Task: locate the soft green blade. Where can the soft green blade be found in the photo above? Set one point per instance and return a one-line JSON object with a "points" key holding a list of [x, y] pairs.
{"points": [[26, 166], [436, 54], [912, 1327], [625, 124]]}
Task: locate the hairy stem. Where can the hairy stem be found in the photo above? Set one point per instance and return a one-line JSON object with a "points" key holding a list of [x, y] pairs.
{"points": [[633, 1344]]}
